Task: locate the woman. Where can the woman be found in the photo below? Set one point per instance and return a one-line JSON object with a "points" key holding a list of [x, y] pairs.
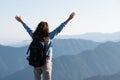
{"points": [[42, 31]]}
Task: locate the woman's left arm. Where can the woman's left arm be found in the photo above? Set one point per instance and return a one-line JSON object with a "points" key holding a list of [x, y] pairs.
{"points": [[18, 18], [60, 27]]}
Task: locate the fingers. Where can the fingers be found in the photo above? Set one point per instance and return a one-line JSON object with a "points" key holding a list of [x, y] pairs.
{"points": [[73, 14], [18, 18]]}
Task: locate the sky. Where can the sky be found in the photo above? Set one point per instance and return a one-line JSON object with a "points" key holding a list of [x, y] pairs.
{"points": [[91, 16]]}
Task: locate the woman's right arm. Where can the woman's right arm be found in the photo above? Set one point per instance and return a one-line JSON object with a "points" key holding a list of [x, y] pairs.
{"points": [[18, 18]]}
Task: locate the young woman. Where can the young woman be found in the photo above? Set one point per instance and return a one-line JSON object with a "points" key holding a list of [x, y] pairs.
{"points": [[42, 31]]}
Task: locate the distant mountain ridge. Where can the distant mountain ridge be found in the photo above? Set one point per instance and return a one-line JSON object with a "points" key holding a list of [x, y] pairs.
{"points": [[95, 36], [72, 46]]}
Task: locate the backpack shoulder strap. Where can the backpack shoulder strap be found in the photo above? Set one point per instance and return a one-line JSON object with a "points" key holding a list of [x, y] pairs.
{"points": [[28, 49]]}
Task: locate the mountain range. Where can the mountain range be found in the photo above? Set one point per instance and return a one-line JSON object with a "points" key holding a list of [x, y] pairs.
{"points": [[74, 59], [13, 59], [100, 63], [95, 36], [103, 60]]}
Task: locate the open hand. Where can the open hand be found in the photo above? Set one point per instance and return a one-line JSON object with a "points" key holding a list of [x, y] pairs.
{"points": [[72, 15], [18, 18]]}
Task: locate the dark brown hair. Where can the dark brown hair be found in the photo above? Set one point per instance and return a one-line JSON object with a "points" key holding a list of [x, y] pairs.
{"points": [[42, 32]]}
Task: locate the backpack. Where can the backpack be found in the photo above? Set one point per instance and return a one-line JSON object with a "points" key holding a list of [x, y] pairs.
{"points": [[37, 53]]}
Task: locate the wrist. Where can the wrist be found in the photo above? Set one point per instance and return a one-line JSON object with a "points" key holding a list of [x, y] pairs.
{"points": [[22, 22], [67, 20]]}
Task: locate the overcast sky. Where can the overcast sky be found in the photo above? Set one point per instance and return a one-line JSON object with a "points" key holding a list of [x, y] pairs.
{"points": [[91, 16]]}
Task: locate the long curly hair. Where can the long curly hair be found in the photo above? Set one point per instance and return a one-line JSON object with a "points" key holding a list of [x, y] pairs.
{"points": [[41, 32]]}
